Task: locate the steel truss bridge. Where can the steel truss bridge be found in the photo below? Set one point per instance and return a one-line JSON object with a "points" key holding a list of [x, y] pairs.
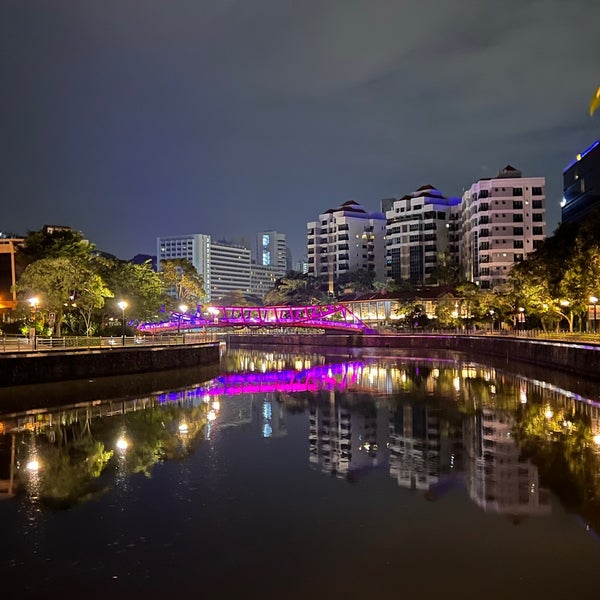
{"points": [[328, 317]]}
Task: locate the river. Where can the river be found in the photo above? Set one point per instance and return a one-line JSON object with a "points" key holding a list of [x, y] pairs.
{"points": [[304, 476]]}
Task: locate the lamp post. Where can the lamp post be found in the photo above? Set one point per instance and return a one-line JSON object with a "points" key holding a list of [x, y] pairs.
{"points": [[594, 301], [33, 304], [182, 310], [122, 305]]}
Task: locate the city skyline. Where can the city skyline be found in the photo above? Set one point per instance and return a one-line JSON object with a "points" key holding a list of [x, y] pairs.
{"points": [[130, 122]]}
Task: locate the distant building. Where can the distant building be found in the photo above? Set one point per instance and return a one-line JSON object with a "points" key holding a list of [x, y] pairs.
{"points": [[581, 185], [344, 239], [229, 270], [262, 279], [272, 251], [502, 220], [140, 259], [52, 229], [417, 232], [195, 248]]}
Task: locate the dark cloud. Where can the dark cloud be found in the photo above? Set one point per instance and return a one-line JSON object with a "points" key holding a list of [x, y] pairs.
{"points": [[131, 119]]}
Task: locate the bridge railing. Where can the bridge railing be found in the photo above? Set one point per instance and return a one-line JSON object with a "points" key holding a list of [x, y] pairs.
{"points": [[20, 343]]}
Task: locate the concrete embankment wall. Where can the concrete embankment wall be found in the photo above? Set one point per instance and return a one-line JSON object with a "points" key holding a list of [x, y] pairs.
{"points": [[574, 358], [41, 367]]}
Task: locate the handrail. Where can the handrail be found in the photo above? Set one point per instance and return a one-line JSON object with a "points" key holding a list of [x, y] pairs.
{"points": [[20, 343]]}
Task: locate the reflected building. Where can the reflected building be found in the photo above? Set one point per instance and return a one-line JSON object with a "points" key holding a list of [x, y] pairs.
{"points": [[497, 479], [269, 416], [346, 440], [414, 446]]}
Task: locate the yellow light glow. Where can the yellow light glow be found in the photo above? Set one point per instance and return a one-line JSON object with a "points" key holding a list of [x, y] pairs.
{"points": [[122, 444], [33, 466]]}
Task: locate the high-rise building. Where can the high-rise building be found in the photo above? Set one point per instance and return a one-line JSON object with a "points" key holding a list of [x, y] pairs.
{"points": [[271, 251], [503, 219], [418, 232], [344, 239], [224, 267], [195, 248], [581, 185], [229, 269]]}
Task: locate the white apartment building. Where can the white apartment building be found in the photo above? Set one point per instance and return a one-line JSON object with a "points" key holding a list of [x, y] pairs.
{"points": [[194, 247], [230, 270], [224, 267], [503, 219], [419, 228], [344, 239]]}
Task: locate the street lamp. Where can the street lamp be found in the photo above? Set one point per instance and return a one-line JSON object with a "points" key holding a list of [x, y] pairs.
{"points": [[182, 310], [122, 305], [33, 304], [594, 301]]}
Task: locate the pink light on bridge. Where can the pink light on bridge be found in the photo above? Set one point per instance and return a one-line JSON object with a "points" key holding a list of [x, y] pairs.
{"points": [[331, 316]]}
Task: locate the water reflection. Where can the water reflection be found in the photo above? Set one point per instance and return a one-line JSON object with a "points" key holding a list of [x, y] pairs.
{"points": [[433, 426]]}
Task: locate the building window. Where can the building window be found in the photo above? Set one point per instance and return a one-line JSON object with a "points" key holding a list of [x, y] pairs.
{"points": [[517, 191], [537, 204], [518, 244], [538, 231], [517, 204], [517, 218], [517, 231], [537, 217], [536, 191]]}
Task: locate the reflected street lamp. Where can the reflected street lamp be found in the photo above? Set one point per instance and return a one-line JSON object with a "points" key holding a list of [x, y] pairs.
{"points": [[182, 310], [594, 301], [122, 305]]}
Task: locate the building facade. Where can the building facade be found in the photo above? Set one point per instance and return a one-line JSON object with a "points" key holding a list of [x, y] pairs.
{"points": [[195, 248], [272, 251], [345, 239], [417, 233], [229, 269], [581, 185], [502, 220], [8, 274], [224, 267]]}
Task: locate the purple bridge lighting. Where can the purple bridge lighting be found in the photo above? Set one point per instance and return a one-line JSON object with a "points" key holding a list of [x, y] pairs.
{"points": [[331, 316], [323, 377]]}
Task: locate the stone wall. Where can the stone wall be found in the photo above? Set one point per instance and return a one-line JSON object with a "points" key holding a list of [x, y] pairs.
{"points": [[61, 365], [575, 358]]}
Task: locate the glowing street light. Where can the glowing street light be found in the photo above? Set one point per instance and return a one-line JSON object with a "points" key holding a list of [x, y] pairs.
{"points": [[33, 304], [122, 444], [122, 305], [33, 466]]}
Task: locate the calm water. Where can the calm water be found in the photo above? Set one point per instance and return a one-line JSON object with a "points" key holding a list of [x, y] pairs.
{"points": [[305, 476]]}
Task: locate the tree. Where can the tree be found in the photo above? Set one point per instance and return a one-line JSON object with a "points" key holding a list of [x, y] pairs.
{"points": [[90, 296], [58, 282], [140, 285], [61, 243], [357, 281], [295, 289], [236, 298], [447, 270], [181, 276]]}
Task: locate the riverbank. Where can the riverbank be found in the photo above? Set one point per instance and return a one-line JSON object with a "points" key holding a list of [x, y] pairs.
{"points": [[64, 365], [579, 359]]}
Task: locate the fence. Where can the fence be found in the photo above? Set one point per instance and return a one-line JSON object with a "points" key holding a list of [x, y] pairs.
{"points": [[19, 343]]}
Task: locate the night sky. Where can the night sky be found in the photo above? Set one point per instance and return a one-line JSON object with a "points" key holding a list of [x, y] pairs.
{"points": [[131, 119]]}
